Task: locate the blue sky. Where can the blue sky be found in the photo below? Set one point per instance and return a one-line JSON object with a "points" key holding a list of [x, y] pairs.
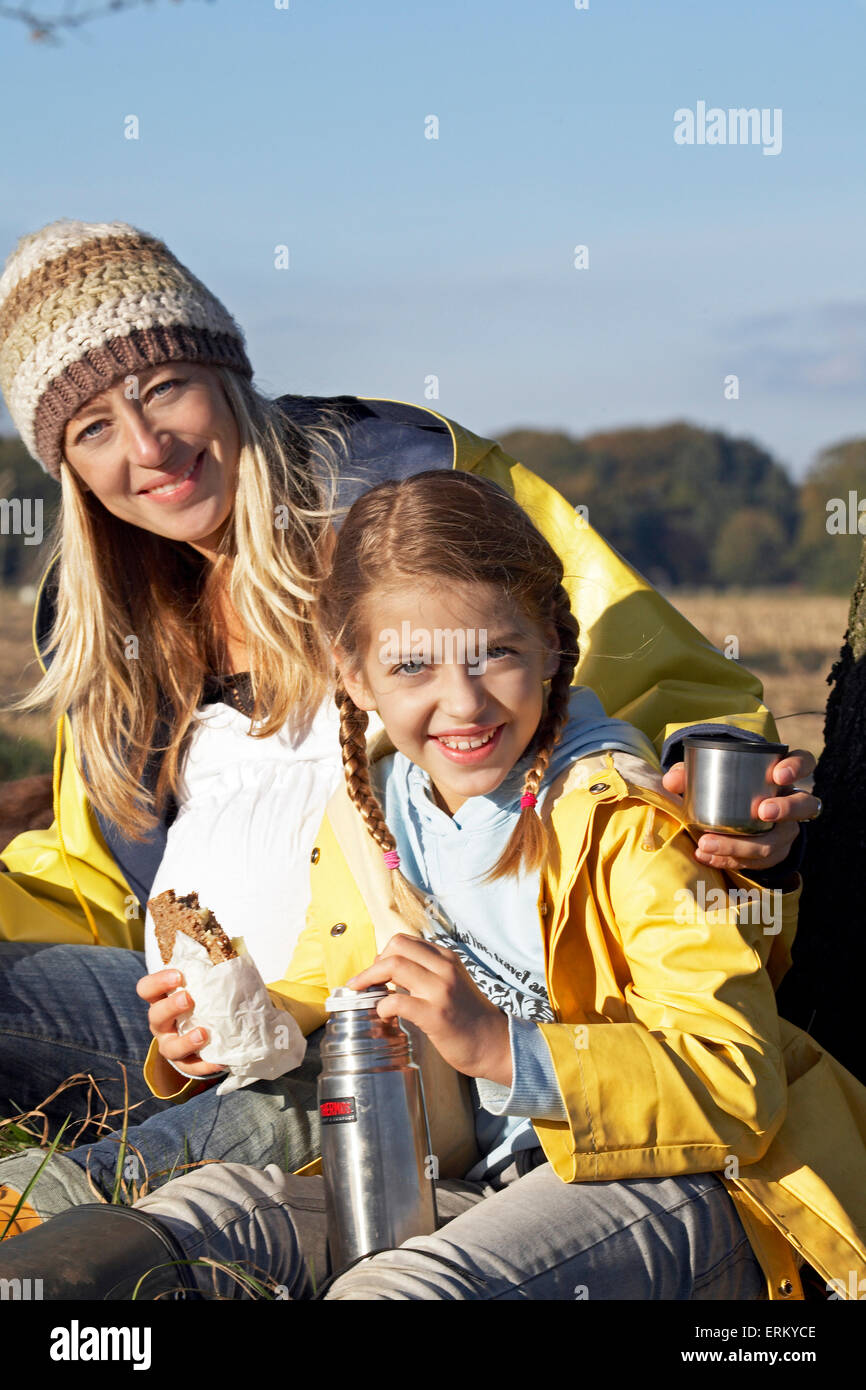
{"points": [[412, 257]]}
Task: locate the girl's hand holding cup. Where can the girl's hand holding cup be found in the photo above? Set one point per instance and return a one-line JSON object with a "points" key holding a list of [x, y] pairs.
{"points": [[167, 1003], [746, 853]]}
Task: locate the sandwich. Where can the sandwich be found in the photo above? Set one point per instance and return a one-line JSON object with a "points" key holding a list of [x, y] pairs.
{"points": [[172, 914]]}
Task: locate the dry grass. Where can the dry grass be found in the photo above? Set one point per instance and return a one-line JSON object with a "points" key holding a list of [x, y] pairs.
{"points": [[788, 639], [19, 669]]}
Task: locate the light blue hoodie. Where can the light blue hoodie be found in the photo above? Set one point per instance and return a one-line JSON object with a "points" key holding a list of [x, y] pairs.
{"points": [[495, 928]]}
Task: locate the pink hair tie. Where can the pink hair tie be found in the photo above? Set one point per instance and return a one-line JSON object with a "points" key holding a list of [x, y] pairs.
{"points": [[392, 859], [527, 800]]}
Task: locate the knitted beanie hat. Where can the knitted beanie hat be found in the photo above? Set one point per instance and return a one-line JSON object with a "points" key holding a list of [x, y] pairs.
{"points": [[83, 304]]}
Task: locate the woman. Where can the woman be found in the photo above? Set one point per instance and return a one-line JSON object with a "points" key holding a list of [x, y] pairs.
{"points": [[194, 530]]}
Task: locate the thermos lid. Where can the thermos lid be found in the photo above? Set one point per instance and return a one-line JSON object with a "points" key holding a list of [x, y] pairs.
{"points": [[732, 745], [345, 998]]}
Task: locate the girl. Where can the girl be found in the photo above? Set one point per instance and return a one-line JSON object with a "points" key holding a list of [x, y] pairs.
{"points": [[192, 690], [621, 1043]]}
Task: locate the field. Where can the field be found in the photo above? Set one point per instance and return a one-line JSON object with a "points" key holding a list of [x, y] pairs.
{"points": [[19, 670], [787, 638]]}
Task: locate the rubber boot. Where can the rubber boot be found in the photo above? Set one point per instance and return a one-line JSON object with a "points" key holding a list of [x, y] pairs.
{"points": [[99, 1252]]}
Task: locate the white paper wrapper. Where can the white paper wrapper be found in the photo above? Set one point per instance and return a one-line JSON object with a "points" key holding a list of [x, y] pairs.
{"points": [[246, 1031]]}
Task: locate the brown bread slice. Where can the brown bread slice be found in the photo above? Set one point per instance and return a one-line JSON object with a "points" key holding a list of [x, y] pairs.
{"points": [[172, 914]]}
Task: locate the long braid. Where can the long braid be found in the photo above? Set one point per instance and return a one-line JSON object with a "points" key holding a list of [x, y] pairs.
{"points": [[412, 905], [353, 744], [527, 846]]}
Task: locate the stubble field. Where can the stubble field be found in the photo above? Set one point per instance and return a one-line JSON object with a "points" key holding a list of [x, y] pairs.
{"points": [[788, 639]]}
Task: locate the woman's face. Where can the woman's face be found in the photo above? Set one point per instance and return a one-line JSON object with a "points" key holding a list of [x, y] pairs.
{"points": [[160, 449]]}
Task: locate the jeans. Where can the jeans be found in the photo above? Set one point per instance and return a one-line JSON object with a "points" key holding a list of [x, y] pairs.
{"points": [[65, 1009], [527, 1236], [68, 1009]]}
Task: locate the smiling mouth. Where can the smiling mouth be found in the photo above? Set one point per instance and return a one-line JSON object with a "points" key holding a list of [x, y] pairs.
{"points": [[459, 743], [165, 488]]}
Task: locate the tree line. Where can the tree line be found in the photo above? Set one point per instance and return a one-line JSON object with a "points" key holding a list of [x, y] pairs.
{"points": [[698, 508], [684, 505]]}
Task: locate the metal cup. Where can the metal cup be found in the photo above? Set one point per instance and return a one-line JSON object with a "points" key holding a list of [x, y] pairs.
{"points": [[726, 781]]}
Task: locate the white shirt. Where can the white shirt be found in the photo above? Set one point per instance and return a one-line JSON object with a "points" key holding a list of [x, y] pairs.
{"points": [[249, 809]]}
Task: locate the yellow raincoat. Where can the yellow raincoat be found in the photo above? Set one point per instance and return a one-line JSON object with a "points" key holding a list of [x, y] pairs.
{"points": [[667, 1045]]}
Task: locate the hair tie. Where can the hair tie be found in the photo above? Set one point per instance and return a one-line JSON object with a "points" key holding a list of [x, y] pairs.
{"points": [[392, 859], [527, 800]]}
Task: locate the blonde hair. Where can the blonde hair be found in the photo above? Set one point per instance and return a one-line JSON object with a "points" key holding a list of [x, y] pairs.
{"points": [[465, 528], [117, 582]]}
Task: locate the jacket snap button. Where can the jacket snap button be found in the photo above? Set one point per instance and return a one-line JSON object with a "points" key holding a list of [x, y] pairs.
{"points": [[338, 928], [599, 787], [314, 857], [786, 1287]]}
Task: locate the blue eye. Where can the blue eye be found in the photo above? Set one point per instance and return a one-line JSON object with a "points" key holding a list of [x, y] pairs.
{"points": [[85, 433], [156, 391], [416, 665], [172, 381]]}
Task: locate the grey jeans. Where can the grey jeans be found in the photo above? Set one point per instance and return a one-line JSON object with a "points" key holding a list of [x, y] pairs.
{"points": [[531, 1236]]}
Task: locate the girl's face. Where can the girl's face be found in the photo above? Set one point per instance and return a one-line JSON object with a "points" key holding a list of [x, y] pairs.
{"points": [[463, 720], [160, 449]]}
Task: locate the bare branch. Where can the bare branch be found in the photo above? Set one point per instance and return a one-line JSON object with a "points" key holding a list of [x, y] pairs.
{"points": [[47, 28]]}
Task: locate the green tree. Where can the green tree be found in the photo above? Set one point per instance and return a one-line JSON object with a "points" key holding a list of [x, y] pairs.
{"points": [[827, 560], [750, 545], [660, 495]]}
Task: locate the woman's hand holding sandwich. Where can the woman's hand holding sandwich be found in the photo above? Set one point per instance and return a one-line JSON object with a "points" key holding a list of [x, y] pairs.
{"points": [[167, 1003]]}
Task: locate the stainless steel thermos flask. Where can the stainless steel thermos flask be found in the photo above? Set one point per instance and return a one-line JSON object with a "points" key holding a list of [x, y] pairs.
{"points": [[376, 1157]]}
